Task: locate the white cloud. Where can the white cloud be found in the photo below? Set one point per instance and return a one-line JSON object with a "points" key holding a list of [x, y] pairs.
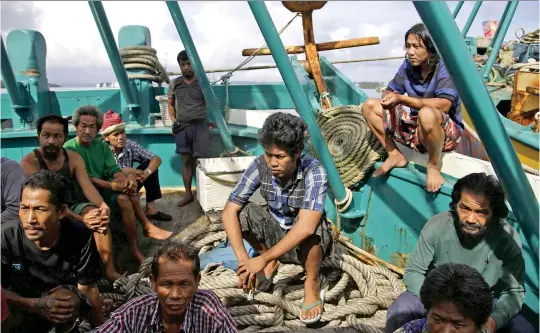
{"points": [[221, 30]]}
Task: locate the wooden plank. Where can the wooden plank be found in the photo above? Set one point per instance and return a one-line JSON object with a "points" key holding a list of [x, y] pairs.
{"points": [[341, 44]]}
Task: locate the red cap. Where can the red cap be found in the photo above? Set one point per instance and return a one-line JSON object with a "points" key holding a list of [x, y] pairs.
{"points": [[111, 119]]}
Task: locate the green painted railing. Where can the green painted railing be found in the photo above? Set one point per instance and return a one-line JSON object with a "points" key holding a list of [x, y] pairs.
{"points": [[498, 39], [114, 55], [475, 96], [471, 18], [200, 73], [457, 9]]}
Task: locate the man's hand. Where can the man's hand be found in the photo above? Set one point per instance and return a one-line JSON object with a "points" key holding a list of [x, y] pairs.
{"points": [[490, 325], [248, 270], [56, 308], [96, 221], [390, 100], [131, 184]]}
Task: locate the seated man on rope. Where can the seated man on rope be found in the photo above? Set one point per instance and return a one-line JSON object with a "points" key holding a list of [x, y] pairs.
{"points": [[433, 121], [294, 227], [474, 233], [50, 265], [126, 152], [115, 186], [52, 132], [177, 304]]}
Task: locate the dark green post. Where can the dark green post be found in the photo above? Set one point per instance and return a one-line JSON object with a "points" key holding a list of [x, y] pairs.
{"points": [[471, 18], [453, 50], [198, 68], [114, 55], [457, 9], [12, 87], [498, 39], [268, 29]]}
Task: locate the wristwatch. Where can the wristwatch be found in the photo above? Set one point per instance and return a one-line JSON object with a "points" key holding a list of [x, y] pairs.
{"points": [[485, 330], [150, 172]]}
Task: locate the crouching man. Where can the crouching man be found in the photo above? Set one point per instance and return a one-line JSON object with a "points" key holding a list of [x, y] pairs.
{"points": [[50, 265], [177, 304], [293, 228]]}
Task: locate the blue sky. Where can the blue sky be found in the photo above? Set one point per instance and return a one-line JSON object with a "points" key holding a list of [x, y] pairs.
{"points": [[222, 29]]}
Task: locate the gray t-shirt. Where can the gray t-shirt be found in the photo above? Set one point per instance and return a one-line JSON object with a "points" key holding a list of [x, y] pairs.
{"points": [[189, 100], [12, 180]]}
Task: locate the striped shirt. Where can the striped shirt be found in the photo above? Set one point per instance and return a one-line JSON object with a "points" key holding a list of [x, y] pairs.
{"points": [[205, 314], [409, 80], [307, 189], [132, 152]]}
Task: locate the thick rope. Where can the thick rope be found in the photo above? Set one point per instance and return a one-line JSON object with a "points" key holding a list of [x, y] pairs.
{"points": [[352, 145], [357, 295], [143, 58]]}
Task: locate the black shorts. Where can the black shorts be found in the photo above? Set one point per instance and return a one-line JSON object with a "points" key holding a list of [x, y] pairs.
{"points": [[193, 139]]}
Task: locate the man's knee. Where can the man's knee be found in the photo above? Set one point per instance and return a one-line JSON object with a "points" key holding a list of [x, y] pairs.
{"points": [[405, 308], [429, 117], [518, 324], [187, 160], [123, 201], [372, 106]]}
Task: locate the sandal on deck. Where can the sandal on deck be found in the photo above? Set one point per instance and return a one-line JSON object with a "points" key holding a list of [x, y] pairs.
{"points": [[264, 283], [307, 308], [160, 216]]}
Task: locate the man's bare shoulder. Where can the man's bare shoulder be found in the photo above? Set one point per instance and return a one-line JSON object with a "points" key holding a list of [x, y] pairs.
{"points": [[29, 159]]}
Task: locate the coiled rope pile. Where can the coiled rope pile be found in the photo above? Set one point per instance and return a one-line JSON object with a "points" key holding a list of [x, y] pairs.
{"points": [[357, 295], [144, 58]]}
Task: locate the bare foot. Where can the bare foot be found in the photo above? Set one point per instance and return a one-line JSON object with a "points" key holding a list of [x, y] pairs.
{"points": [[395, 160], [187, 199], [156, 233], [434, 179], [311, 295]]}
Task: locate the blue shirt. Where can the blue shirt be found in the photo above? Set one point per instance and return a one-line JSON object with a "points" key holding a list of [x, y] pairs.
{"points": [[409, 80], [308, 169]]}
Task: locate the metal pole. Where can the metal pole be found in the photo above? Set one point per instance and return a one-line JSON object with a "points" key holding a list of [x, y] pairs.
{"points": [[114, 55], [499, 27], [10, 82], [453, 50], [457, 9], [499, 36], [268, 29], [471, 18], [198, 68]]}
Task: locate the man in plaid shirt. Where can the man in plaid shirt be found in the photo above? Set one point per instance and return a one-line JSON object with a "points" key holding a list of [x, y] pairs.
{"points": [[126, 152], [176, 305], [293, 228]]}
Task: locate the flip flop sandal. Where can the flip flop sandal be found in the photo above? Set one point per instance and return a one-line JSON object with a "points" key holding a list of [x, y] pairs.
{"points": [[160, 216], [264, 283], [307, 308]]}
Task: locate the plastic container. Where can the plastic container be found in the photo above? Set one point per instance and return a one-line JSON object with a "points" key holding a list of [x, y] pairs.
{"points": [[164, 110]]}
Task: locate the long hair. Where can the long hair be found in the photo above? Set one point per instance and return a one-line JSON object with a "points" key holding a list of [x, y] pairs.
{"points": [[421, 33]]}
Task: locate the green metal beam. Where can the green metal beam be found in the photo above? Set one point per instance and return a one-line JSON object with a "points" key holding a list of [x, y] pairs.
{"points": [[12, 87], [490, 47], [268, 29], [114, 55], [498, 39], [471, 18], [457, 9], [185, 36], [445, 33]]}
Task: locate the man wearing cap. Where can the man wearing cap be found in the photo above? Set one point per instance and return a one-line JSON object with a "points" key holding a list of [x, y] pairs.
{"points": [[126, 152]]}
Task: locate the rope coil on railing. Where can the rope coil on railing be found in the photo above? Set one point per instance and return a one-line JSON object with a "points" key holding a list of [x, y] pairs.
{"points": [[143, 57], [357, 295]]}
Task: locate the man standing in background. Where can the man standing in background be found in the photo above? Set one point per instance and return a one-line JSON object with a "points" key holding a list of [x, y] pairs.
{"points": [[190, 129]]}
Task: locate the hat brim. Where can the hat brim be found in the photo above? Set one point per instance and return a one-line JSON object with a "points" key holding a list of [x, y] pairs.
{"points": [[114, 128]]}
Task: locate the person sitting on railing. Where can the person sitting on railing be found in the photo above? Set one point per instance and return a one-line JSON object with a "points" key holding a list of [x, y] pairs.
{"points": [[188, 110], [52, 132], [456, 298], [293, 228], [474, 232], [12, 179], [115, 186], [126, 152], [428, 119], [177, 304], [50, 264]]}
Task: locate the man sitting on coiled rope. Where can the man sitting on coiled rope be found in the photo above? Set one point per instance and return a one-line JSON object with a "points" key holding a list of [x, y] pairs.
{"points": [[293, 228], [432, 124], [177, 304]]}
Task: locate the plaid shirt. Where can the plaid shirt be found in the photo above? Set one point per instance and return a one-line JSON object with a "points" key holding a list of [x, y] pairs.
{"points": [[132, 152], [307, 190], [205, 314]]}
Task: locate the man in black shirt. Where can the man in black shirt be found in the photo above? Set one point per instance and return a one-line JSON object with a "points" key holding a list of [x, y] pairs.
{"points": [[50, 265]]}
